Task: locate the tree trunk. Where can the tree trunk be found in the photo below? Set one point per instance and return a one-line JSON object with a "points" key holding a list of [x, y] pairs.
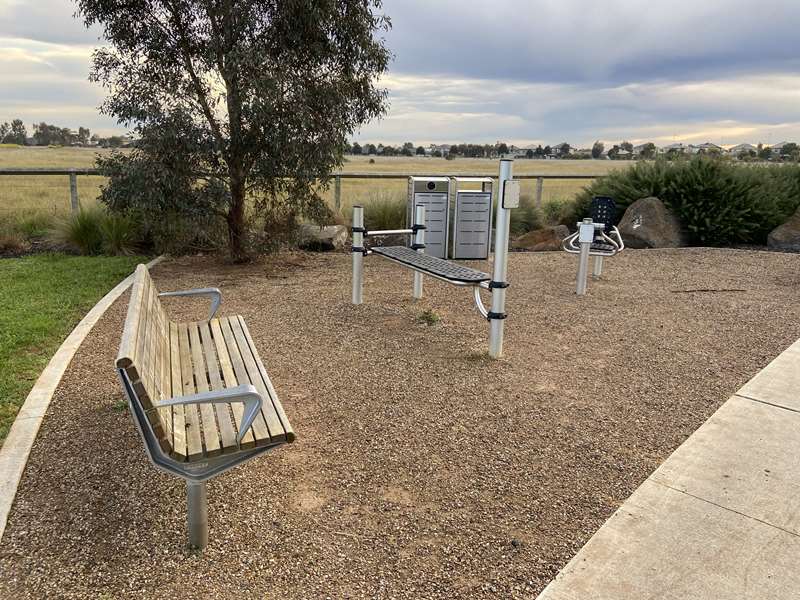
{"points": [[237, 232]]}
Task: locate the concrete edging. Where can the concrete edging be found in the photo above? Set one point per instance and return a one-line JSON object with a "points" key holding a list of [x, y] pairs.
{"points": [[720, 518], [17, 446]]}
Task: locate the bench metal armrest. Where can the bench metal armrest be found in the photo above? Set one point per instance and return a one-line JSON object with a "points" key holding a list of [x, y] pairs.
{"points": [[241, 393], [216, 297]]}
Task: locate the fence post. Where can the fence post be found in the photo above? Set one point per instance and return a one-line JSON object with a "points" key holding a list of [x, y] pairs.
{"points": [[539, 187], [73, 191], [337, 193]]}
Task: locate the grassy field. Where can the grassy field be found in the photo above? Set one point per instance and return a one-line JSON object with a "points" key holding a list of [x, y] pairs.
{"points": [[23, 197], [43, 298]]}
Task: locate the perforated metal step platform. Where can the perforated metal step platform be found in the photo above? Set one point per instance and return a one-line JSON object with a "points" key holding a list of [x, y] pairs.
{"points": [[432, 265]]}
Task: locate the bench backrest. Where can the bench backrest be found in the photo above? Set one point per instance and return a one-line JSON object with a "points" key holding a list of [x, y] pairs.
{"points": [[144, 353]]}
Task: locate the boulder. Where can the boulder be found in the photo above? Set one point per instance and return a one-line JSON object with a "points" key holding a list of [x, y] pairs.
{"points": [[541, 240], [323, 239], [786, 236], [648, 223]]}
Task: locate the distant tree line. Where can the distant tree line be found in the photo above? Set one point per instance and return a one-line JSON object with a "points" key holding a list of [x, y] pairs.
{"points": [[46, 134]]}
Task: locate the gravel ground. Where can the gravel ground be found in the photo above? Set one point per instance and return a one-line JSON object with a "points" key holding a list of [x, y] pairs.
{"points": [[421, 468]]}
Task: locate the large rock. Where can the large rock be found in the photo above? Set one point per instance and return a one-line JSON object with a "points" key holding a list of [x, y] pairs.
{"points": [[541, 240], [786, 236], [323, 239], [648, 223]]}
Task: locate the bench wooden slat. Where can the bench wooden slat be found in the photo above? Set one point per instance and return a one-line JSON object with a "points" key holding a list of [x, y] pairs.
{"points": [[209, 422], [273, 423], [194, 442], [259, 428], [273, 396], [227, 432], [128, 344], [179, 450], [226, 365]]}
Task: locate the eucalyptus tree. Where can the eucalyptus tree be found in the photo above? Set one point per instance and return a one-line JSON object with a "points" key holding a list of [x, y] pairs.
{"points": [[264, 92]]}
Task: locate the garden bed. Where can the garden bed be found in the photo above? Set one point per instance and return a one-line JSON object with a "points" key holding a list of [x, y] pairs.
{"points": [[421, 468]]}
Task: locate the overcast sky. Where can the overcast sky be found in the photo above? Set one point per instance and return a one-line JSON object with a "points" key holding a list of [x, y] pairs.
{"points": [[524, 71]]}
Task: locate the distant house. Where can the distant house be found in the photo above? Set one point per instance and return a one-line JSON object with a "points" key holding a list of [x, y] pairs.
{"points": [[742, 149], [677, 147], [777, 149], [637, 150], [443, 149], [705, 148]]}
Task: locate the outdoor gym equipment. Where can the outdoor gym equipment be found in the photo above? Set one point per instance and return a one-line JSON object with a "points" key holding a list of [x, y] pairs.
{"points": [[414, 258], [596, 236]]}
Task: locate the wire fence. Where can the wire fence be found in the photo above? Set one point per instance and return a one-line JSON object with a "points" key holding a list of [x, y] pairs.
{"points": [[25, 190]]}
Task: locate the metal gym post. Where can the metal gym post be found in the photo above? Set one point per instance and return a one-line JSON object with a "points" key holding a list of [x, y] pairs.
{"points": [[508, 199]]}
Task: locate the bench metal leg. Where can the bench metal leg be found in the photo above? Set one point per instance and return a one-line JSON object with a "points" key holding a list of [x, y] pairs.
{"points": [[358, 256], [197, 506], [597, 269]]}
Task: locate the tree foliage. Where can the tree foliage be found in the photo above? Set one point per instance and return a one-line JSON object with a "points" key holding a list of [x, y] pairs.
{"points": [[597, 149], [264, 92]]}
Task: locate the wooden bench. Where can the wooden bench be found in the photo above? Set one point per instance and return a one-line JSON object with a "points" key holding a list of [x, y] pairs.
{"points": [[198, 392]]}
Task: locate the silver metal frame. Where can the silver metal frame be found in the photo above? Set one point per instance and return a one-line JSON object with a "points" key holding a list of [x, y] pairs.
{"points": [[216, 297], [501, 238], [502, 224], [419, 238], [580, 243]]}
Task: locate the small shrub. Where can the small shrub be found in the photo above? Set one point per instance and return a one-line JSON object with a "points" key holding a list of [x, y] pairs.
{"points": [[382, 210], [94, 231], [82, 231], [428, 317], [555, 210], [525, 218], [35, 224], [120, 235]]}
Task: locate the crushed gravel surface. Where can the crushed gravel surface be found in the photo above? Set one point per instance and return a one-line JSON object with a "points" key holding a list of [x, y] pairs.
{"points": [[421, 468]]}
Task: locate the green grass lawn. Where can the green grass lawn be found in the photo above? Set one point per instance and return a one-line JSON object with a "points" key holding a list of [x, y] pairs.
{"points": [[41, 299]]}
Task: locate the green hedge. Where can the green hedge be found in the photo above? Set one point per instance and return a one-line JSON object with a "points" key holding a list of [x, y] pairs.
{"points": [[719, 203]]}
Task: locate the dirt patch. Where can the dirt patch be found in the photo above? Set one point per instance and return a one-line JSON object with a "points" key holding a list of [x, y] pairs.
{"points": [[421, 468]]}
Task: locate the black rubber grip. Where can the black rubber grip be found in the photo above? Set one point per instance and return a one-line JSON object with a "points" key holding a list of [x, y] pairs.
{"points": [[358, 230], [498, 285], [358, 249], [418, 246], [415, 228], [493, 315]]}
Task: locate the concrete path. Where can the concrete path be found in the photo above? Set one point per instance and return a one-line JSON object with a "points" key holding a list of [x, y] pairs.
{"points": [[720, 519]]}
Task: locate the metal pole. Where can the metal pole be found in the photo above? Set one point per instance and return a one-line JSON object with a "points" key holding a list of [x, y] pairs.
{"points": [[585, 237], [197, 510], [419, 240], [539, 189], [358, 255], [73, 191], [597, 270], [337, 193], [502, 222]]}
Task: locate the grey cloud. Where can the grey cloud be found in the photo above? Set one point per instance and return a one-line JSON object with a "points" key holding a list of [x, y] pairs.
{"points": [[610, 43]]}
